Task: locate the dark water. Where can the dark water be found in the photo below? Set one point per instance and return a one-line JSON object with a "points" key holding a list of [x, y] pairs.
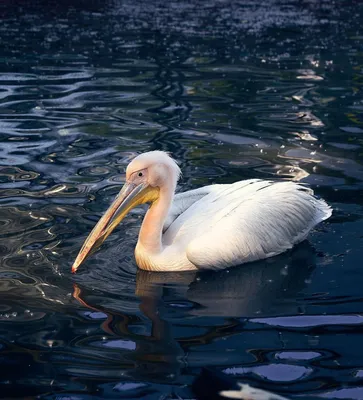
{"points": [[234, 90]]}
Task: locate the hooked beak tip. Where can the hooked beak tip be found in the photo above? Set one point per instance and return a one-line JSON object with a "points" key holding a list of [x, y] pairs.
{"points": [[74, 268]]}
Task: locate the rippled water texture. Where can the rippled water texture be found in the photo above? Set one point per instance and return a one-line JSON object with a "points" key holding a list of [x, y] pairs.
{"points": [[234, 90]]}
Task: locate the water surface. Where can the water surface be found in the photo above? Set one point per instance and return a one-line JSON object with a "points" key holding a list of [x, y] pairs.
{"points": [[267, 90]]}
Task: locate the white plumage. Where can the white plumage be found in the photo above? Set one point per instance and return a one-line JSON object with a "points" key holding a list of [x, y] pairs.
{"points": [[224, 225], [213, 227]]}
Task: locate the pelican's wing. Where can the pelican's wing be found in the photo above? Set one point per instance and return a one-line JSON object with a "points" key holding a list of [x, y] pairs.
{"points": [[246, 221], [182, 201]]}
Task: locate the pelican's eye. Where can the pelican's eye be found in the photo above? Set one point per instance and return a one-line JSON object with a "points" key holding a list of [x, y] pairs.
{"points": [[140, 174]]}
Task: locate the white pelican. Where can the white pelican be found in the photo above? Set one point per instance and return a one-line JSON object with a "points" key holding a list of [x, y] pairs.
{"points": [[213, 227]]}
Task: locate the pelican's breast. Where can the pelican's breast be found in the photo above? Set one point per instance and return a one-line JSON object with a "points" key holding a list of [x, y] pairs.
{"points": [[169, 259], [143, 260]]}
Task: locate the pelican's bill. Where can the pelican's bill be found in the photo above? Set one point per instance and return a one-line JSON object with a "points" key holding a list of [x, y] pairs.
{"points": [[130, 196]]}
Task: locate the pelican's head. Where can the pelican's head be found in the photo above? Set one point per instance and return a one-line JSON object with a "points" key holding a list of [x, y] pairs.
{"points": [[146, 175]]}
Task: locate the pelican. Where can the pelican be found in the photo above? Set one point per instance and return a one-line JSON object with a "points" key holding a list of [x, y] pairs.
{"points": [[213, 227]]}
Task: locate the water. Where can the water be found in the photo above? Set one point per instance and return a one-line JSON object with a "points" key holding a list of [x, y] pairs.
{"points": [[234, 91]]}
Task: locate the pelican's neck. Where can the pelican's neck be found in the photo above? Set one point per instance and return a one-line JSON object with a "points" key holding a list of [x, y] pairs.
{"points": [[150, 236]]}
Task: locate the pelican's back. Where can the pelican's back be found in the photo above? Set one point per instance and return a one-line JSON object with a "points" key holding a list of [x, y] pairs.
{"points": [[245, 221]]}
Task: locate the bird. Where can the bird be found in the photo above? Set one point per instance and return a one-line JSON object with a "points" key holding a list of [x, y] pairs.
{"points": [[213, 227]]}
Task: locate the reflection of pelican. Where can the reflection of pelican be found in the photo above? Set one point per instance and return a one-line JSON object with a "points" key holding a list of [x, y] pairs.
{"points": [[156, 354], [265, 288], [261, 289], [215, 226], [166, 320]]}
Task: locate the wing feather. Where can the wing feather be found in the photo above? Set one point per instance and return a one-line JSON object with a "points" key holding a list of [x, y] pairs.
{"points": [[245, 221], [182, 201]]}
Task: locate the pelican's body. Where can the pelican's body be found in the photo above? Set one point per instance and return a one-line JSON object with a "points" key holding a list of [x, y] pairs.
{"points": [[213, 227]]}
